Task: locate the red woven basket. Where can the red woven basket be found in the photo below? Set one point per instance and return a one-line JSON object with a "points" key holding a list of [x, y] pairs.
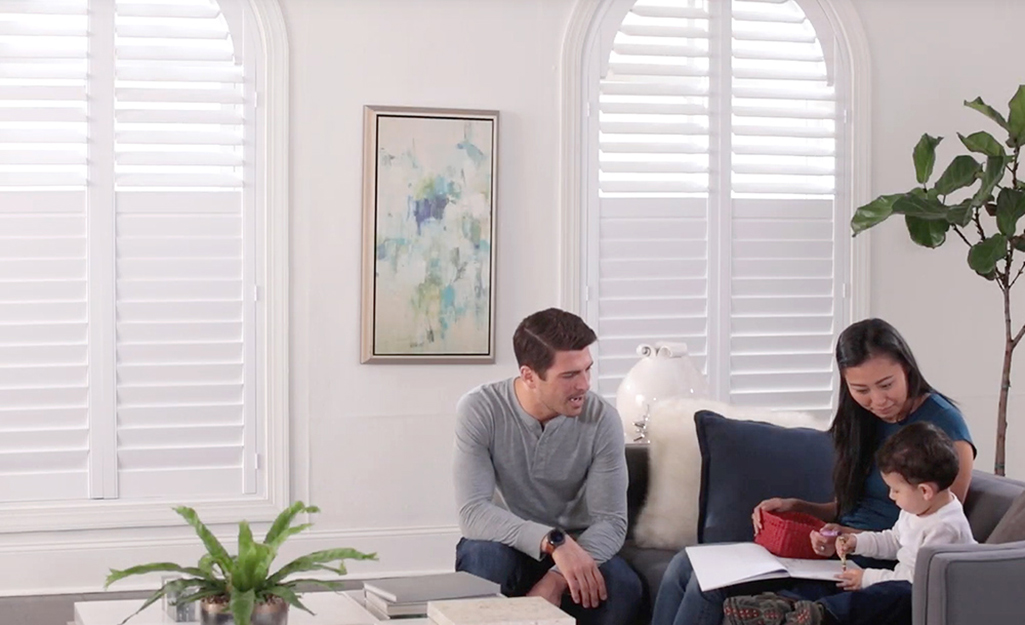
{"points": [[788, 534]]}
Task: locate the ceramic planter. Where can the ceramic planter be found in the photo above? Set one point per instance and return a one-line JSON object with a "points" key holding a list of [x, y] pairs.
{"points": [[269, 613]]}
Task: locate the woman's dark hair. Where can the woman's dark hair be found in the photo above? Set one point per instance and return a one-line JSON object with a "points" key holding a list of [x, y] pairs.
{"points": [[921, 453], [545, 332], [854, 428]]}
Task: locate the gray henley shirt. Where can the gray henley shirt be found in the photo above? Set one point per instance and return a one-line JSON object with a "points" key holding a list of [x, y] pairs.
{"points": [[569, 474]]}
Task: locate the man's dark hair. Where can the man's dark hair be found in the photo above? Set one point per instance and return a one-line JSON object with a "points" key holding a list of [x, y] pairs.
{"points": [[921, 453], [545, 332]]}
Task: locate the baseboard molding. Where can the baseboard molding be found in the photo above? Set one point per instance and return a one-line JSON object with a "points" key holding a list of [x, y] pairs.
{"points": [[56, 567]]}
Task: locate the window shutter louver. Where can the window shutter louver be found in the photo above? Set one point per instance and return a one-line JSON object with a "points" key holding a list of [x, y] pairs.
{"points": [[44, 324], [653, 183], [783, 271], [185, 293], [665, 225]]}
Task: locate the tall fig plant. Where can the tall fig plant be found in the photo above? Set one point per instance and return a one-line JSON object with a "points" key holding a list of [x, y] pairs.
{"points": [[984, 217]]}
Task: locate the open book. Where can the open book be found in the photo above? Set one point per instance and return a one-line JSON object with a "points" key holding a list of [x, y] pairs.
{"points": [[722, 565]]}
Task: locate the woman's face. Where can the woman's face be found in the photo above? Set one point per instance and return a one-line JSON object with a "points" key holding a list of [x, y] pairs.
{"points": [[880, 385]]}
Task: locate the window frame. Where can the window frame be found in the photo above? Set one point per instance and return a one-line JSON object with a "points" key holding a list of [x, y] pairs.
{"points": [[263, 24], [583, 58]]}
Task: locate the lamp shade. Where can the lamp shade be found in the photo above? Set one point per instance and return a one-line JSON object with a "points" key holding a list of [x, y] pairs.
{"points": [[663, 371]]}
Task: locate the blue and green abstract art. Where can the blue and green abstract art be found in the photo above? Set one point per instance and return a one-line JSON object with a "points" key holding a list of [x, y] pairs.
{"points": [[434, 211]]}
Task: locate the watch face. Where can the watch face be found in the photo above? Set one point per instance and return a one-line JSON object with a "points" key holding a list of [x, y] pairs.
{"points": [[556, 537]]}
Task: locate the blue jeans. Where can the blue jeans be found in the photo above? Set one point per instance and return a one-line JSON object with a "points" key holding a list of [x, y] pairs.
{"points": [[885, 603], [680, 601], [517, 573]]}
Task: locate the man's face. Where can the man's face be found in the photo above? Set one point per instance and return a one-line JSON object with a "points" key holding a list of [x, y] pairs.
{"points": [[565, 384]]}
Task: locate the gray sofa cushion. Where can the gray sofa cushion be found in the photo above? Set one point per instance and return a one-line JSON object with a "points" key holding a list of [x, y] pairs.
{"points": [[649, 563], [745, 462], [1011, 527], [637, 490], [989, 499]]}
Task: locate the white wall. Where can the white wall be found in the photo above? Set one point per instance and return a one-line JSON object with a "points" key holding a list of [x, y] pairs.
{"points": [[928, 56], [380, 437]]}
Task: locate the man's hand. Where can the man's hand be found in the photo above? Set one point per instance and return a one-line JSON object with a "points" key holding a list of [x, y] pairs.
{"points": [[586, 584], [850, 579], [551, 587]]}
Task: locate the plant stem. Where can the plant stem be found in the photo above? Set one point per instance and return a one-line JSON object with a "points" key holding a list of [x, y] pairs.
{"points": [[978, 226], [1014, 168], [1010, 342], [963, 237], [1018, 275]]}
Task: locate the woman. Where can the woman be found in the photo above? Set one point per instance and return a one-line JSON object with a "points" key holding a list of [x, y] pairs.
{"points": [[881, 391]]}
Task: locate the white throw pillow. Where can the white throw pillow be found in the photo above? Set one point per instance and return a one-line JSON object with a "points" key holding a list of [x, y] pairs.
{"points": [[669, 517]]}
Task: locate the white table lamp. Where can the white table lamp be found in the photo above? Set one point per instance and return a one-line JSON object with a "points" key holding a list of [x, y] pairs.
{"points": [[663, 371]]}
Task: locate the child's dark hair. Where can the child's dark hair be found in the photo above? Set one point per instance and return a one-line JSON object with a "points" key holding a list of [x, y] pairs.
{"points": [[921, 453]]}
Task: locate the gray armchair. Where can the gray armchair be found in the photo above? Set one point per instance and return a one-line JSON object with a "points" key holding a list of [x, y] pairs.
{"points": [[970, 584]]}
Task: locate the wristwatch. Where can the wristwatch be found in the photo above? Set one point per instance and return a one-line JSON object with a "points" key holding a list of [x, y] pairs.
{"points": [[553, 540]]}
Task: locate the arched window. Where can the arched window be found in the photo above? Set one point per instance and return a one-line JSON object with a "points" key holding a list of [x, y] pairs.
{"points": [[136, 270], [717, 193]]}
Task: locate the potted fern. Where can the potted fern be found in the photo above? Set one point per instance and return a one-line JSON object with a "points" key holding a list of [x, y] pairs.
{"points": [[241, 588]]}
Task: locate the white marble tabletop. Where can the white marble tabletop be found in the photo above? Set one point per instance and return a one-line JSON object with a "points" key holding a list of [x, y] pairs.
{"points": [[330, 608]]}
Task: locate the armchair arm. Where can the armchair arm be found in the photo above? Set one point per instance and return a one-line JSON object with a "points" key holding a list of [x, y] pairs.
{"points": [[968, 584]]}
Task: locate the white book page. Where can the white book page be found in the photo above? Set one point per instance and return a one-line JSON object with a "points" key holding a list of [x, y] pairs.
{"points": [[815, 569], [722, 565]]}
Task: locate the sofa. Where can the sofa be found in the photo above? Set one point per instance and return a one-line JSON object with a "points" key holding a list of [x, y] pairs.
{"points": [[953, 585]]}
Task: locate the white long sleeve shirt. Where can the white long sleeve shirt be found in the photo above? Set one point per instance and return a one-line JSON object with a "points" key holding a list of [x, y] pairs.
{"points": [[946, 526]]}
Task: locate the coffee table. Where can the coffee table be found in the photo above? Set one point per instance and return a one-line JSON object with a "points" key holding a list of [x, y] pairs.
{"points": [[344, 608]]}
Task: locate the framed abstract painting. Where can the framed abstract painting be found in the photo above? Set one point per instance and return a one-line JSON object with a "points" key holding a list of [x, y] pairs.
{"points": [[429, 181]]}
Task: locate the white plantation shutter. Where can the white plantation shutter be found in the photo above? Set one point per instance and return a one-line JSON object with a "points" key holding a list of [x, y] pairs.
{"points": [[185, 300], [787, 267], [44, 321], [128, 252], [716, 199], [653, 184]]}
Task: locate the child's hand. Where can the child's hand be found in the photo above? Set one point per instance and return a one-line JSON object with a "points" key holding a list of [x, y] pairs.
{"points": [[850, 580], [845, 544]]}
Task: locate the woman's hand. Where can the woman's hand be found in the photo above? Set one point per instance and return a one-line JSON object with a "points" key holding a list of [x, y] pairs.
{"points": [[823, 541], [776, 504]]}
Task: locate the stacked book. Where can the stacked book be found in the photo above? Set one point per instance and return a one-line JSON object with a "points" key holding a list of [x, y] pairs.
{"points": [[500, 611], [408, 596]]}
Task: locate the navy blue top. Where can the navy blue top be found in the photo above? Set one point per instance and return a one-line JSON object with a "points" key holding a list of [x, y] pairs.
{"points": [[876, 511]]}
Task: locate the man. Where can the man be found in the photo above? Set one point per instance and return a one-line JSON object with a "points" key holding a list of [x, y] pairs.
{"points": [[555, 453]]}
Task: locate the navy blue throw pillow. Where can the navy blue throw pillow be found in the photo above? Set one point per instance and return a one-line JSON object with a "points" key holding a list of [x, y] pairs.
{"points": [[745, 462]]}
